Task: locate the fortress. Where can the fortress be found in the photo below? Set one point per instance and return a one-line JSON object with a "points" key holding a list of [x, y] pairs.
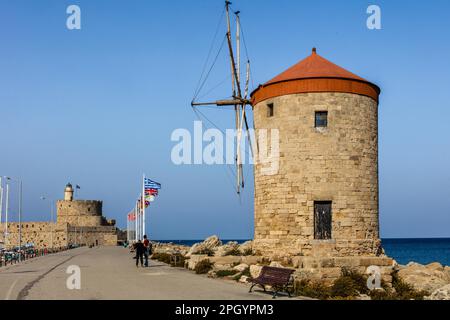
{"points": [[78, 222]]}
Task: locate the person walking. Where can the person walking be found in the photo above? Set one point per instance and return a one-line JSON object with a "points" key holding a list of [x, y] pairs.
{"points": [[140, 249], [148, 250]]}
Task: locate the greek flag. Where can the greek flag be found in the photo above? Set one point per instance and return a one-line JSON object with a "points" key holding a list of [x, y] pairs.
{"points": [[150, 184]]}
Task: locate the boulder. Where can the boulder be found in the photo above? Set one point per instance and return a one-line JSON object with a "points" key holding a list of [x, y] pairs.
{"points": [[297, 262], [255, 270], [241, 267], [227, 249], [227, 260], [212, 242], [447, 271], [246, 248], [442, 293], [212, 274], [218, 267], [276, 264], [195, 259], [196, 248], [429, 277], [243, 279], [251, 260], [435, 266], [209, 244]]}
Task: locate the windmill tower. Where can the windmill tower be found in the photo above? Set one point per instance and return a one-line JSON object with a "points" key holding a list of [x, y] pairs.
{"points": [[324, 199]]}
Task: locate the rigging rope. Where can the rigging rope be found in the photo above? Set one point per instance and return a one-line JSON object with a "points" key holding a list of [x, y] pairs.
{"points": [[210, 49], [233, 174], [215, 87], [210, 69]]}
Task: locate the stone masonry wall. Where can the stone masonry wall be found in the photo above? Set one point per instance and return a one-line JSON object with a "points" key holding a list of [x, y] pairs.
{"points": [[80, 212], [100, 235], [338, 163], [41, 234]]}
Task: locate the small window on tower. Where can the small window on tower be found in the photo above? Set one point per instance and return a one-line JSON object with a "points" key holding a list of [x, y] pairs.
{"points": [[321, 119], [270, 110]]}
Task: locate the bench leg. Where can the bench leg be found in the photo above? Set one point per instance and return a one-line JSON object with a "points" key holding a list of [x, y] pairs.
{"points": [[254, 284], [274, 294]]}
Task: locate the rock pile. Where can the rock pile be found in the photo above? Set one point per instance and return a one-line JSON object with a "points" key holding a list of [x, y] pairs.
{"points": [[239, 262], [433, 277]]}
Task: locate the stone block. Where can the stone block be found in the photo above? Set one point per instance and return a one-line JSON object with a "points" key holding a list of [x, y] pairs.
{"points": [[225, 260], [195, 259]]}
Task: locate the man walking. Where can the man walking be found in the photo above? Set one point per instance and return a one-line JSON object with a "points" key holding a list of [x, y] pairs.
{"points": [[140, 249], [148, 248]]}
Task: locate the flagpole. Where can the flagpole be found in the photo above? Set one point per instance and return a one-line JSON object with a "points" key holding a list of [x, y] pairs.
{"points": [[135, 222], [139, 217], [143, 204]]}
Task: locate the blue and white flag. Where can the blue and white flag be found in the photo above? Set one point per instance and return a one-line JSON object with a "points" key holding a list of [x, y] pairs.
{"points": [[150, 184]]}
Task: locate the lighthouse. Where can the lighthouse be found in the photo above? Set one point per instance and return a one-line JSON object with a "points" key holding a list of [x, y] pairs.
{"points": [[323, 201], [68, 192]]}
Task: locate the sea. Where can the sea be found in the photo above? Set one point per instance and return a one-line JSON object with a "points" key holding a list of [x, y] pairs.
{"points": [[420, 250]]}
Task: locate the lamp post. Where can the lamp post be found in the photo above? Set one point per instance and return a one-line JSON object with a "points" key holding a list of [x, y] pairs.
{"points": [[51, 219], [1, 210], [20, 221], [1, 199], [6, 213], [20, 211]]}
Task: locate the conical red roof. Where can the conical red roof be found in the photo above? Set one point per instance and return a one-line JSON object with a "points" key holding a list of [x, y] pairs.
{"points": [[314, 66], [315, 74]]}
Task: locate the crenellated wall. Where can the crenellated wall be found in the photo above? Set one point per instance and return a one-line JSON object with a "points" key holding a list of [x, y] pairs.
{"points": [[80, 212]]}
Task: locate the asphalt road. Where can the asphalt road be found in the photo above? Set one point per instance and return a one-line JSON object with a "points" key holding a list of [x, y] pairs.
{"points": [[110, 273]]}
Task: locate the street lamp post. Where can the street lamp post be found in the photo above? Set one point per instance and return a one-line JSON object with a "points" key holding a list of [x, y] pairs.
{"points": [[1, 199], [20, 212], [6, 213], [20, 221], [1, 209]]}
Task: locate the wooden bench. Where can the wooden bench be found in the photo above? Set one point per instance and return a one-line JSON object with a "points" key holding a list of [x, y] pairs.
{"points": [[278, 278]]}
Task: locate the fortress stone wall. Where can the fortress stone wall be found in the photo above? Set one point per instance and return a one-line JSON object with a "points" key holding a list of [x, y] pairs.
{"points": [[42, 234], [80, 212]]}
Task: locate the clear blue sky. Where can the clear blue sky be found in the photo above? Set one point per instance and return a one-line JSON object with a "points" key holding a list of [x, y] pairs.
{"points": [[97, 106]]}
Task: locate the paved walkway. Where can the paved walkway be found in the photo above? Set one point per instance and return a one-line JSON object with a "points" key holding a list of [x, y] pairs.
{"points": [[110, 273]]}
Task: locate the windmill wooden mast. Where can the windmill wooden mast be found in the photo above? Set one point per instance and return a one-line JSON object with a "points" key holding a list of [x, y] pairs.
{"points": [[239, 100]]}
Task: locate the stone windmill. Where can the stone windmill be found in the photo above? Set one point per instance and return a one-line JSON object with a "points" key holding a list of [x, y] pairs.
{"points": [[323, 199]]}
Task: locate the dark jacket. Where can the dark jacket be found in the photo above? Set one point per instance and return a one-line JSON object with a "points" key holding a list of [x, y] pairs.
{"points": [[140, 249]]}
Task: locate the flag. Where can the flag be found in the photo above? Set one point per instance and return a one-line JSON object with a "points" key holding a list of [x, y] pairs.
{"points": [[131, 216], [150, 184], [78, 187], [151, 192]]}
